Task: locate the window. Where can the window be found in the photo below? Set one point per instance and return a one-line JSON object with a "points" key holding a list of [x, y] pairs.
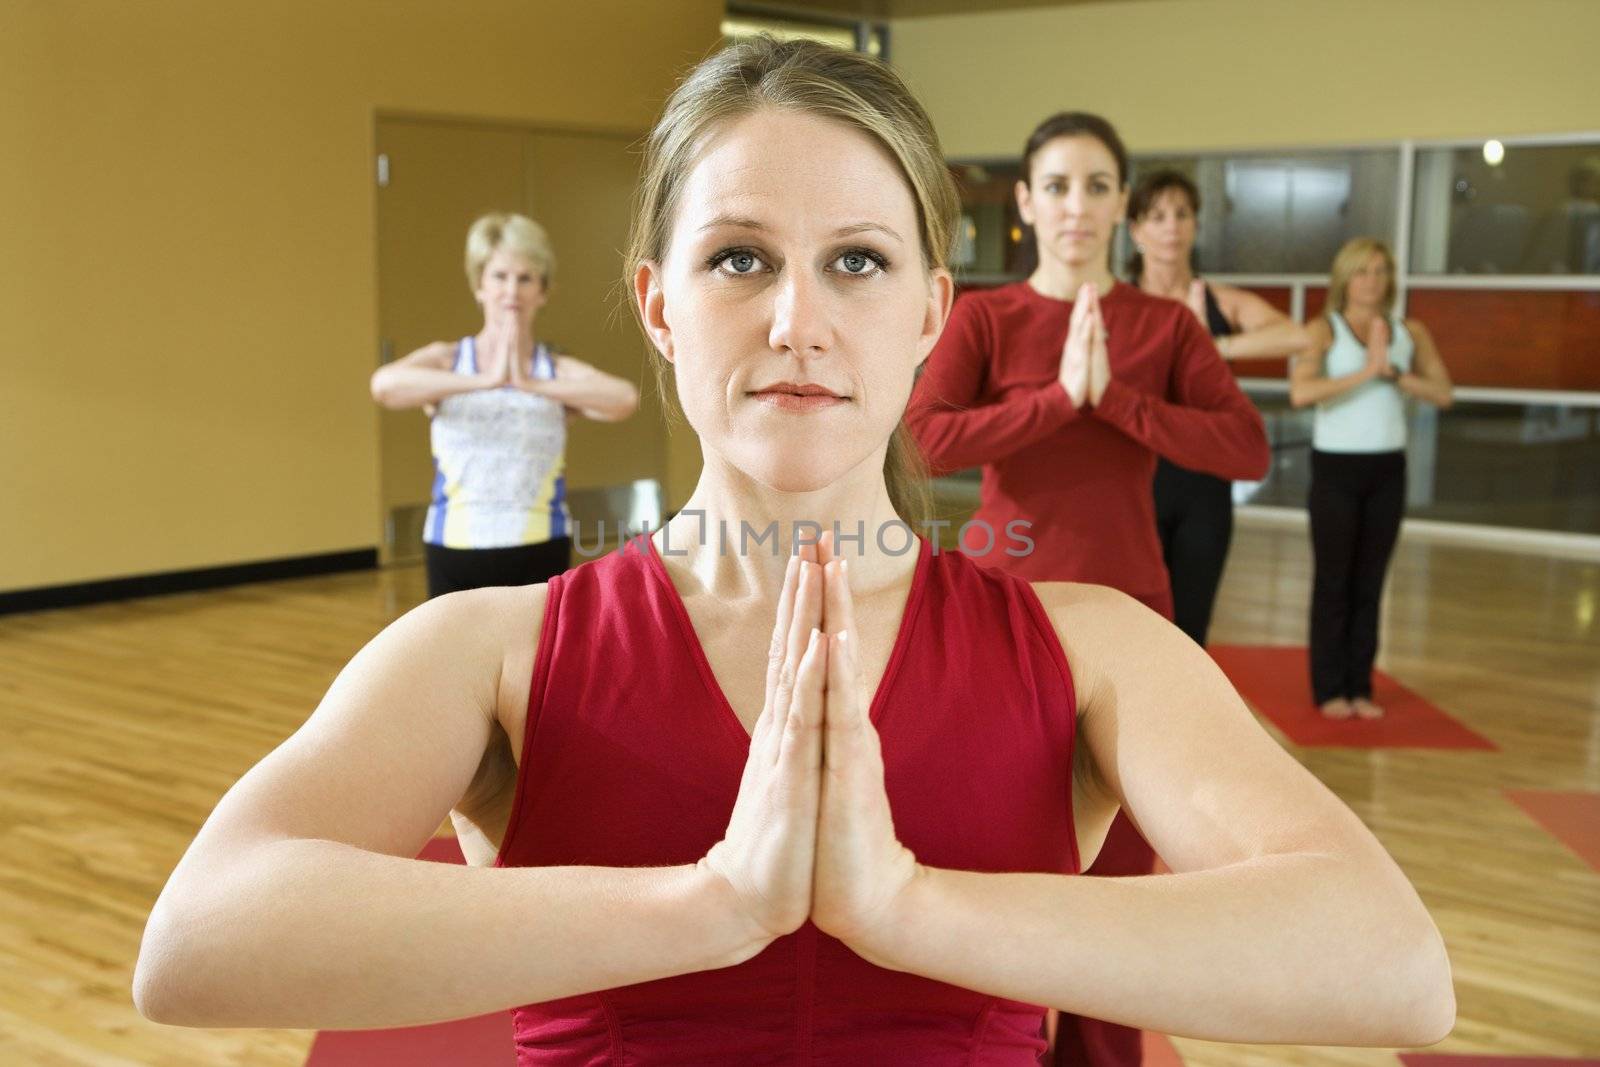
{"points": [[1285, 213], [1513, 208]]}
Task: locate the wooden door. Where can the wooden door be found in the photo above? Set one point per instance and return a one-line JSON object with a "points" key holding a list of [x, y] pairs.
{"points": [[580, 189], [440, 176]]}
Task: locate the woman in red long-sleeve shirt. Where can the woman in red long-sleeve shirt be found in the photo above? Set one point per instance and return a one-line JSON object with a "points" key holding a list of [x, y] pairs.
{"points": [[1065, 388]]}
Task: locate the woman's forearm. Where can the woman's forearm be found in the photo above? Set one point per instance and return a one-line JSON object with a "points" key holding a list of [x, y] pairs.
{"points": [[1297, 948], [603, 396], [1307, 391], [1439, 394], [319, 934], [400, 387], [1269, 342]]}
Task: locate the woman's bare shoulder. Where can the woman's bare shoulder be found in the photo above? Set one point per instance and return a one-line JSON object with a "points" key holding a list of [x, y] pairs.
{"points": [[1078, 601], [499, 625], [1107, 635], [440, 355]]}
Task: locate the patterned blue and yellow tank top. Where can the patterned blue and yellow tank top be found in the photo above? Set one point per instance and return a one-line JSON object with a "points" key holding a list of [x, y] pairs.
{"points": [[499, 459]]}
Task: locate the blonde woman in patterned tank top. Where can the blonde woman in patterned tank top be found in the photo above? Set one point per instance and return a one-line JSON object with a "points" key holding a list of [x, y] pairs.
{"points": [[499, 401]]}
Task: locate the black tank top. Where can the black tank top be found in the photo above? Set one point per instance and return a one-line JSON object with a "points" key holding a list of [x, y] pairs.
{"points": [[1216, 321]]}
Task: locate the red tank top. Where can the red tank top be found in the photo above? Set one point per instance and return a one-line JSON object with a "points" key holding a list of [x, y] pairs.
{"points": [[632, 757]]}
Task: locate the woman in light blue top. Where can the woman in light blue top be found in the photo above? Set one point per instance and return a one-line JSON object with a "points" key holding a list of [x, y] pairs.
{"points": [[499, 401], [1363, 363]]}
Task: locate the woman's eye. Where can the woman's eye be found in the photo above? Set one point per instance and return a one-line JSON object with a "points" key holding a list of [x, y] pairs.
{"points": [[859, 263], [736, 261]]}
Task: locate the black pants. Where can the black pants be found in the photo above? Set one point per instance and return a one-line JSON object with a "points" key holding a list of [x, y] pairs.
{"points": [[450, 569], [1194, 515], [1356, 503]]}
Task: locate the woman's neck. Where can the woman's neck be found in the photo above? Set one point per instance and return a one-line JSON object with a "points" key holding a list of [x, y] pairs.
{"points": [[1061, 281], [734, 537], [1354, 312], [1170, 279]]}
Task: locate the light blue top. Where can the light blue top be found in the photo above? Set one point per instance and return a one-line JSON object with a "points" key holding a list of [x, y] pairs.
{"points": [[1372, 416]]}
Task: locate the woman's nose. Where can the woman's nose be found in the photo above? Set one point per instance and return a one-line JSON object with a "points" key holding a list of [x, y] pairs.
{"points": [[800, 318]]}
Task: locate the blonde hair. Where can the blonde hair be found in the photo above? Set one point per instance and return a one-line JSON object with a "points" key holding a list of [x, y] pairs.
{"points": [[514, 233], [814, 79], [1351, 258]]}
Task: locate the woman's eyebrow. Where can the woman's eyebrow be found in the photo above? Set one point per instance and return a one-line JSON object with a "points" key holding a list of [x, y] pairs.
{"points": [[864, 227], [745, 222], [741, 222]]}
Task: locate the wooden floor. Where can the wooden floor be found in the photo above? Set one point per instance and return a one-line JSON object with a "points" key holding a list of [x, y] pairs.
{"points": [[122, 725]]}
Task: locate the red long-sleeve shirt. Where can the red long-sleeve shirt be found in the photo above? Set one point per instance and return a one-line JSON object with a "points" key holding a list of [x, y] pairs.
{"points": [[990, 397]]}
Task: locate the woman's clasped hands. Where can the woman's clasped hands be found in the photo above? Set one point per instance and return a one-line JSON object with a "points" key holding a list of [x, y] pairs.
{"points": [[1085, 362], [811, 835], [503, 361]]}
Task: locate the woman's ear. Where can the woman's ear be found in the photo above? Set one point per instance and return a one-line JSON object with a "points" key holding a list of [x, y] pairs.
{"points": [[941, 293], [652, 303], [1024, 202]]}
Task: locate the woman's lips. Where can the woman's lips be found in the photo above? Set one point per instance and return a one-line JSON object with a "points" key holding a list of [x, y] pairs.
{"points": [[799, 398]]}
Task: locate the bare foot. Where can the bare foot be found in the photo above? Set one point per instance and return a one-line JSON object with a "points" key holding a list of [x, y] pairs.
{"points": [[1366, 709], [1337, 708]]}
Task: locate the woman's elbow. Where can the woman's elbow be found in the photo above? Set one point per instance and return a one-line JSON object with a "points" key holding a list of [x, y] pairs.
{"points": [[153, 995], [382, 393], [1432, 1016], [627, 404], [1437, 1019], [160, 991], [1424, 996], [184, 974]]}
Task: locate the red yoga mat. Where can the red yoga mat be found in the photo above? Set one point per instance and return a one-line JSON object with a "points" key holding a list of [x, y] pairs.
{"points": [[1434, 1059], [1276, 682], [1160, 1052], [1573, 818]]}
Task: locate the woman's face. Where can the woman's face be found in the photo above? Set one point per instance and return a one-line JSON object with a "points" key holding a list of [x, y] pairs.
{"points": [[1368, 284], [510, 287], [1165, 234], [793, 302], [1073, 199]]}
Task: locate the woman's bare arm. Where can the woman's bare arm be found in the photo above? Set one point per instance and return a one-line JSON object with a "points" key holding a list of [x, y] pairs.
{"points": [[423, 378], [591, 392], [1285, 920], [1307, 384], [1429, 380], [300, 905], [1264, 331]]}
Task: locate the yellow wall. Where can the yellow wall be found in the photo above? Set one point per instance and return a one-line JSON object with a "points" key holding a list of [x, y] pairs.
{"points": [[1184, 74], [187, 272]]}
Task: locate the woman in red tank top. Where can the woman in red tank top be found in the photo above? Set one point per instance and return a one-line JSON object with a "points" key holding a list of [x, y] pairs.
{"points": [[742, 794]]}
